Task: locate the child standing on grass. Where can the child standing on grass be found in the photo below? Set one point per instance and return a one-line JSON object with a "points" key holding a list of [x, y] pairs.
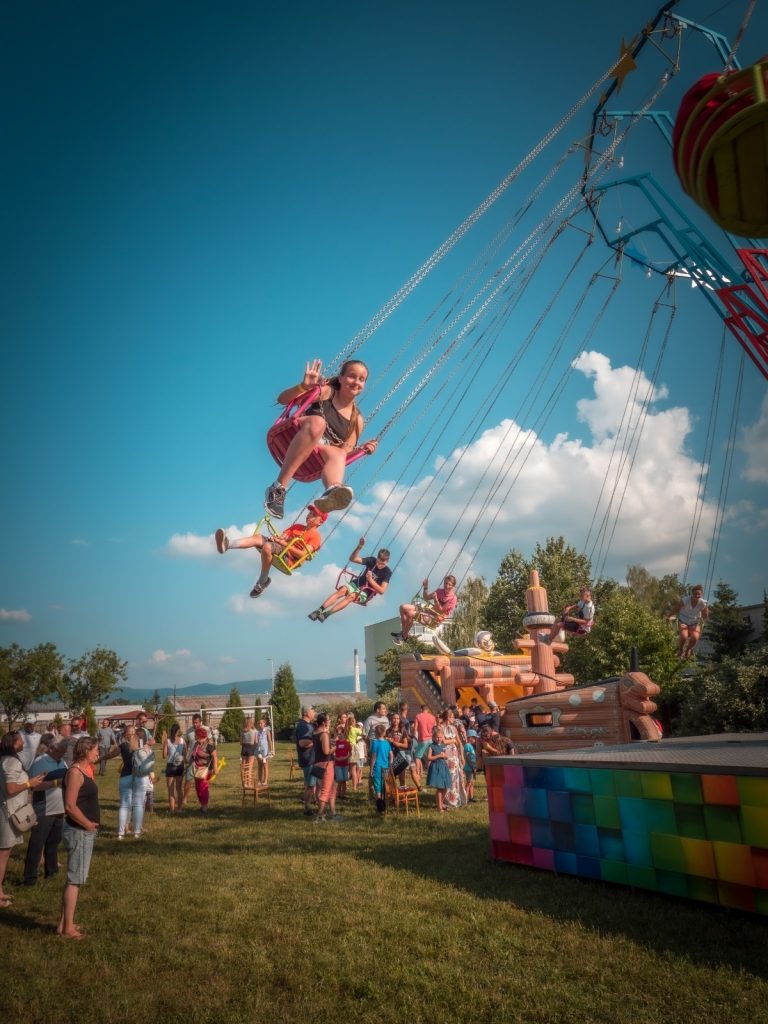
{"points": [[264, 750], [381, 762], [438, 774], [341, 752], [470, 769], [357, 751]]}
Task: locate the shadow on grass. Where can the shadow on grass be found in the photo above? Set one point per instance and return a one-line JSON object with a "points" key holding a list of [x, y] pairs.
{"points": [[26, 923], [700, 933]]}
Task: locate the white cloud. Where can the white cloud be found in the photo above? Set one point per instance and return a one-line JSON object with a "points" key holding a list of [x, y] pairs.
{"points": [[14, 615], [288, 595], [521, 488], [227, 659], [755, 444], [195, 545], [80, 542], [557, 487], [180, 660]]}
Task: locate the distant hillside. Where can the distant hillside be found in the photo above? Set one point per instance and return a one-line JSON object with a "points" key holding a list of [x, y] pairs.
{"points": [[336, 684]]}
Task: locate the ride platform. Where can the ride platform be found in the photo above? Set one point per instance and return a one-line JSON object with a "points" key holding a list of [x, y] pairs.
{"points": [[685, 817]]}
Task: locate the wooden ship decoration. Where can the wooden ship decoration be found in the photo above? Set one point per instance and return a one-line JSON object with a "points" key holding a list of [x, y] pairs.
{"points": [[544, 708]]}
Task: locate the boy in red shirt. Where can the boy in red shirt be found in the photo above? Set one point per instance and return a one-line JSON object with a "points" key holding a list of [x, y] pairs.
{"points": [[271, 546]]}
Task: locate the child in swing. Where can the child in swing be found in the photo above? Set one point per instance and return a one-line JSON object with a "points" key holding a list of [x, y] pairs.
{"points": [[271, 546], [373, 580], [332, 424]]}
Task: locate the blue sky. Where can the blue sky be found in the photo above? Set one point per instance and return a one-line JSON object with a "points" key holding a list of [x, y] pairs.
{"points": [[199, 198]]}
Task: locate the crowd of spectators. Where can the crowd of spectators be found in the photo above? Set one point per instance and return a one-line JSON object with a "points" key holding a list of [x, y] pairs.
{"points": [[443, 753]]}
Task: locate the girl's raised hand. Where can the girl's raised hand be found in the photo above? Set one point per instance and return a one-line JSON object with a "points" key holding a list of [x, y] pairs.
{"points": [[370, 447], [312, 374]]}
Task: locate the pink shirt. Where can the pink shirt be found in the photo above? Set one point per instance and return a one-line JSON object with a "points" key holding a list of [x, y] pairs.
{"points": [[447, 599], [425, 722]]}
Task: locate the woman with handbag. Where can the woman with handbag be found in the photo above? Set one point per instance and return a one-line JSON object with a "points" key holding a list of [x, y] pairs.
{"points": [[81, 823], [132, 788], [16, 814]]}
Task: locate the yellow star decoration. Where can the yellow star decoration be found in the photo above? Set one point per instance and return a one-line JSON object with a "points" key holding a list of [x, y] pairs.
{"points": [[626, 63]]}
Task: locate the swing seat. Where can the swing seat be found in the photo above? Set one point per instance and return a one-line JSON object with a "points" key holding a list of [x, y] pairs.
{"points": [[295, 553], [285, 428], [720, 146]]}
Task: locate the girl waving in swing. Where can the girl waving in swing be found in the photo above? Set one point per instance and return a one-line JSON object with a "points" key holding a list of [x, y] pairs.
{"points": [[330, 426]]}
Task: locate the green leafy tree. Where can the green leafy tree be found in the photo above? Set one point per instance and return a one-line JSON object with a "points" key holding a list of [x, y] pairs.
{"points": [[389, 665], [91, 725], [166, 719], [233, 719], [562, 570], [285, 702], [90, 678], [728, 695], [625, 623], [764, 630], [152, 704], [469, 614], [656, 594], [726, 628], [27, 677]]}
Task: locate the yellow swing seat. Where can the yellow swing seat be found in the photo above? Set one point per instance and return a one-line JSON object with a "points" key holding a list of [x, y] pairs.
{"points": [[295, 553]]}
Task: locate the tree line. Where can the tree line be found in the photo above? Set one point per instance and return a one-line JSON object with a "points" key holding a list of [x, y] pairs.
{"points": [[39, 674]]}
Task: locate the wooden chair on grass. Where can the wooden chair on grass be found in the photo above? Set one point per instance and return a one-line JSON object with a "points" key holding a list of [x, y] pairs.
{"points": [[250, 785], [399, 793]]}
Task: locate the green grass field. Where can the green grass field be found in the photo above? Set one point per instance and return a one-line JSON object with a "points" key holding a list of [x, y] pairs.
{"points": [[264, 916]]}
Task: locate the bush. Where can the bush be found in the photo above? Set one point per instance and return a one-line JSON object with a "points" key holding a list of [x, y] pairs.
{"points": [[730, 695]]}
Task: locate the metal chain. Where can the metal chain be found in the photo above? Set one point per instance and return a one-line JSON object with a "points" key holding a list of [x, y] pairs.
{"points": [[405, 290]]}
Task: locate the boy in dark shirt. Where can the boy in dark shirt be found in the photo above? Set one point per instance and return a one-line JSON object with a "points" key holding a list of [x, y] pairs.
{"points": [[373, 580]]}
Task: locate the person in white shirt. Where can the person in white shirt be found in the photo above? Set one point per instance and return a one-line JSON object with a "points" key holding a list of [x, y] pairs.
{"points": [[31, 741], [690, 613], [577, 618]]}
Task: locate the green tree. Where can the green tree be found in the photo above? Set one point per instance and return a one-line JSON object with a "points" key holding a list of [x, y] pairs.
{"points": [[625, 623], [562, 570], [285, 702], [726, 628], [233, 719], [91, 725], [27, 677], [764, 630], [656, 594], [152, 704], [468, 616], [90, 678], [389, 665], [166, 719], [728, 695]]}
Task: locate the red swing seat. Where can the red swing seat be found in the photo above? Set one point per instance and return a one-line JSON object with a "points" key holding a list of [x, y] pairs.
{"points": [[720, 147], [283, 431]]}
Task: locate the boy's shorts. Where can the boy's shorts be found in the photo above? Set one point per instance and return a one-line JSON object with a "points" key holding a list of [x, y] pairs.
{"points": [[359, 593]]}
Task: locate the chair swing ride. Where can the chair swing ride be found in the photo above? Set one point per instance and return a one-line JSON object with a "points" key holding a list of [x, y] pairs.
{"points": [[461, 345]]}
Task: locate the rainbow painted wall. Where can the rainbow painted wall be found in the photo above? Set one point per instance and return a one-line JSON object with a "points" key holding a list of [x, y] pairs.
{"points": [[696, 833]]}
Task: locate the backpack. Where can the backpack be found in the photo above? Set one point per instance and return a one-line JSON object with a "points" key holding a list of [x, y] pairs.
{"points": [[143, 761]]}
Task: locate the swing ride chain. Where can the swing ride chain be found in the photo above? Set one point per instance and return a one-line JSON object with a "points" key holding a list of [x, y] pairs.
{"points": [[601, 163], [405, 290]]}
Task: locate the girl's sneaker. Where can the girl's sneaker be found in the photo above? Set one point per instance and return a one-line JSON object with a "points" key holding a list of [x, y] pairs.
{"points": [[222, 542], [336, 498], [275, 501]]}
